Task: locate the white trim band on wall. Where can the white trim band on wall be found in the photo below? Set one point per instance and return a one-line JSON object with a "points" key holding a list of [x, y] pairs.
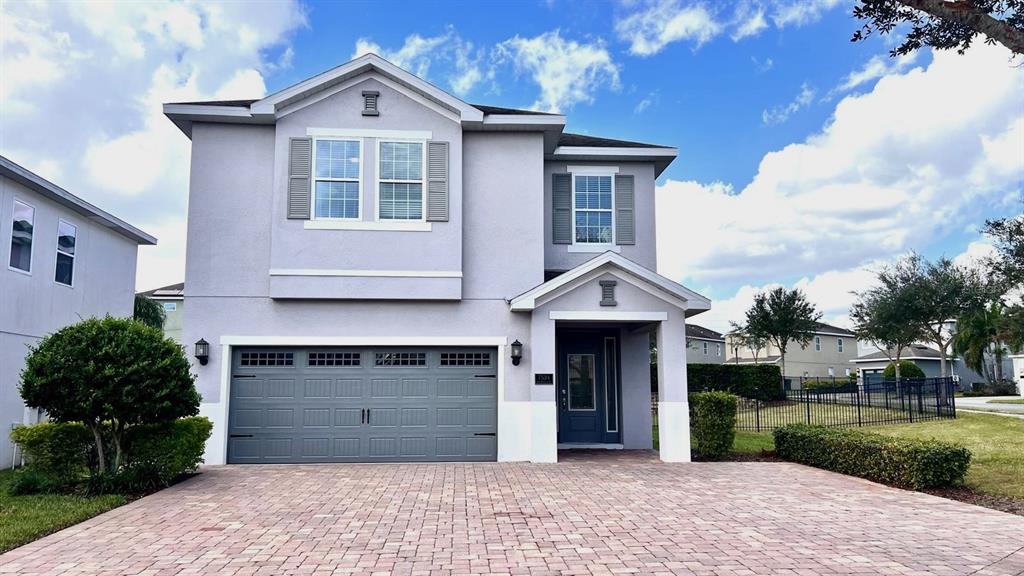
{"points": [[599, 315], [231, 340], [366, 273], [370, 133]]}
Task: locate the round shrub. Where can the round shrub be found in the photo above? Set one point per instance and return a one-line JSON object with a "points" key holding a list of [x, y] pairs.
{"points": [[712, 423], [907, 370]]}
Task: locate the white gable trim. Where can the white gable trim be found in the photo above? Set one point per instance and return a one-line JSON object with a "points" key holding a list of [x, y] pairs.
{"points": [[638, 283], [650, 281], [404, 91]]}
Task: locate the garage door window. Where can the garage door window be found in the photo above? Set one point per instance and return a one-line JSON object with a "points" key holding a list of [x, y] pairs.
{"points": [[333, 359], [465, 359], [400, 359], [267, 359]]}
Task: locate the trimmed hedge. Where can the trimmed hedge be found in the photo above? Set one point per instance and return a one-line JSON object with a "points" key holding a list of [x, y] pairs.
{"points": [[760, 381], [56, 454], [913, 464], [713, 423], [160, 453]]}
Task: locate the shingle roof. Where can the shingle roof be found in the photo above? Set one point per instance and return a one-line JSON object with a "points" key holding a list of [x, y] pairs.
{"points": [[700, 332], [217, 103], [822, 327], [760, 360], [512, 111], [914, 351], [569, 139], [172, 291]]}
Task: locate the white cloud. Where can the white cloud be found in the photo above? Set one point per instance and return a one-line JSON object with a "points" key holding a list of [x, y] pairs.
{"points": [[894, 169], [877, 67], [781, 113], [748, 21], [801, 12], [568, 72], [661, 22], [83, 84], [762, 65], [417, 54]]}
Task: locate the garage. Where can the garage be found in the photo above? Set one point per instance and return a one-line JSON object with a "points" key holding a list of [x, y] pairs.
{"points": [[296, 405]]}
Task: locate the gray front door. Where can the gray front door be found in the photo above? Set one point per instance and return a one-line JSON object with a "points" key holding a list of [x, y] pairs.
{"points": [[363, 405]]}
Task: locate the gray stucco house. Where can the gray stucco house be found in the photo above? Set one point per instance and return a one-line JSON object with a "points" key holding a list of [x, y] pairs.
{"points": [[927, 359], [384, 272], [172, 299], [704, 346], [66, 260]]}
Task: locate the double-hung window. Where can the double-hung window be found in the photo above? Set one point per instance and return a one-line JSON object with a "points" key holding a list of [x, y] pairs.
{"points": [[21, 237], [839, 345], [592, 209], [65, 270], [705, 348], [817, 343], [400, 190], [336, 185]]}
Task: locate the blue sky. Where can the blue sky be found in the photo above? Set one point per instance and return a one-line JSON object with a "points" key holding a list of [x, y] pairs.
{"points": [[804, 159]]}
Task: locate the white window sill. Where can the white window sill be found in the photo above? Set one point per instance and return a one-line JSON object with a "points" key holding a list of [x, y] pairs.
{"points": [[594, 248], [387, 226]]}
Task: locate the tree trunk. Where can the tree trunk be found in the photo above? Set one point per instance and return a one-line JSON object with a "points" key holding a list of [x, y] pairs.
{"points": [[997, 357], [97, 435], [965, 13], [118, 432]]}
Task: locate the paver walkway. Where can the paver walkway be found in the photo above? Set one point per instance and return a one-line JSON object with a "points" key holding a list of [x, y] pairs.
{"points": [[589, 514]]}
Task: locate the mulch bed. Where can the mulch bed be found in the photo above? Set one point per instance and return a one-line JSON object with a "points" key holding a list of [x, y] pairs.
{"points": [[1001, 503]]}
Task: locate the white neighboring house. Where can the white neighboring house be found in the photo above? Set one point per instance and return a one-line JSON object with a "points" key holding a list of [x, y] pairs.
{"points": [[172, 299], [65, 260], [704, 346]]}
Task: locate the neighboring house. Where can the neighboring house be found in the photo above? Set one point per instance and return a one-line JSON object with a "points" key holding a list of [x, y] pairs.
{"points": [[704, 346], [829, 353], [66, 260], [926, 358], [172, 298], [384, 272]]}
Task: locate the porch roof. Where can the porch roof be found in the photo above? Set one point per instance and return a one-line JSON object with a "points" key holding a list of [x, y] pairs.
{"points": [[641, 277]]}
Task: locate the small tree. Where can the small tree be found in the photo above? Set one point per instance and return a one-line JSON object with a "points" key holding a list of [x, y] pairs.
{"points": [[945, 292], [149, 312], [984, 331], [109, 370], [889, 316], [782, 316], [753, 342]]}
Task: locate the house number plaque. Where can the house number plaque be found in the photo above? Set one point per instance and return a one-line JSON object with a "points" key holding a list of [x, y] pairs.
{"points": [[544, 379]]}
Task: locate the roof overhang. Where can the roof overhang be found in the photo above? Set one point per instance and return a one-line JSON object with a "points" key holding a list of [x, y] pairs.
{"points": [[645, 279], [661, 157], [886, 360], [61, 196]]}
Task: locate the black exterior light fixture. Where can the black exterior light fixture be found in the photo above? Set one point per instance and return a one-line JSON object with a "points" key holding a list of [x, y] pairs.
{"points": [[517, 352], [202, 351]]}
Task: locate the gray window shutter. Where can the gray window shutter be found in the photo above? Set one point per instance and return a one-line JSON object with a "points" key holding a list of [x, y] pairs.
{"points": [[625, 219], [437, 181], [299, 168], [561, 208]]}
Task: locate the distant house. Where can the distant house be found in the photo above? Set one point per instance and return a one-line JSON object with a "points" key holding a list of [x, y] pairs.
{"points": [[704, 346], [66, 260], [925, 358], [172, 298], [830, 352]]}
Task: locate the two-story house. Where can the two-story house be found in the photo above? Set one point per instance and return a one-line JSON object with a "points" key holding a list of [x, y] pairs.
{"points": [[172, 299], [384, 272], [66, 260], [830, 352], [704, 346]]}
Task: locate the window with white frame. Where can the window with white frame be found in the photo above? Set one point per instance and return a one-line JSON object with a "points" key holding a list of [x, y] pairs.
{"points": [[839, 345], [65, 269], [400, 190], [831, 371], [817, 343], [705, 348], [592, 209], [718, 350], [170, 306], [847, 372], [21, 237], [336, 185]]}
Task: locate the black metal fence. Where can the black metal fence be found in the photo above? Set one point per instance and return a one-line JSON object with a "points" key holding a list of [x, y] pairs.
{"points": [[853, 404]]}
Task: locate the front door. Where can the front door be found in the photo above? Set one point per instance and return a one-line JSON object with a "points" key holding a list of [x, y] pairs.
{"points": [[588, 388]]}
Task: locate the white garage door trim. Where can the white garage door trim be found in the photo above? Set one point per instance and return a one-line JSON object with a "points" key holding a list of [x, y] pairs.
{"points": [[217, 446]]}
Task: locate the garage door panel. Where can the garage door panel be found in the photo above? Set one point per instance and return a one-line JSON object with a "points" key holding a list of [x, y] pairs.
{"points": [[357, 405]]}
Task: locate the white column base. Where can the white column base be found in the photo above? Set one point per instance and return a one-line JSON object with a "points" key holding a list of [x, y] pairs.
{"points": [[217, 444], [674, 431], [544, 429]]}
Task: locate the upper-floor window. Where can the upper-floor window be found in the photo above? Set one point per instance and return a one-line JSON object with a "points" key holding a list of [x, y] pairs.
{"points": [[336, 189], [705, 348], [592, 209], [170, 306], [65, 269], [817, 343], [21, 237], [400, 190], [839, 344], [718, 350]]}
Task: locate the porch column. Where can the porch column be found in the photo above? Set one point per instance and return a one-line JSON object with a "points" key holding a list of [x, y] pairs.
{"points": [[673, 407], [1018, 373], [544, 419]]}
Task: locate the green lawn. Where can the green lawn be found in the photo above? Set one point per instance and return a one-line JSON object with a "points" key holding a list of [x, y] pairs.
{"points": [[1015, 401], [26, 518], [996, 443]]}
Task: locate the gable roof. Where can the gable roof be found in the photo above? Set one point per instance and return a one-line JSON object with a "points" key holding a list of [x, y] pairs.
{"points": [[51, 191], [487, 109], [774, 359], [570, 139], [912, 352], [693, 302], [173, 291], [702, 333], [830, 329]]}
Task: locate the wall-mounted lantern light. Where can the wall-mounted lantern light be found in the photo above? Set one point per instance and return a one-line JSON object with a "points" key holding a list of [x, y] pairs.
{"points": [[202, 351], [517, 352]]}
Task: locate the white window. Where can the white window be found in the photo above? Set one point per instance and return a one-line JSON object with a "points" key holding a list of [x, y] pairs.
{"points": [[705, 348], [170, 306], [831, 371], [400, 189], [65, 269], [592, 209], [336, 187], [847, 372], [817, 343], [839, 344], [21, 237], [718, 350]]}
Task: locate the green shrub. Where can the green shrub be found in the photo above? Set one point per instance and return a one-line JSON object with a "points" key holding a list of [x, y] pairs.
{"points": [[713, 423], [157, 454], [907, 370], [1000, 388], [56, 451], [29, 480], [760, 381], [907, 463]]}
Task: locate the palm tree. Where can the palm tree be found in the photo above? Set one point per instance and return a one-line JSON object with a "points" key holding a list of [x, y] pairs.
{"points": [[985, 330]]}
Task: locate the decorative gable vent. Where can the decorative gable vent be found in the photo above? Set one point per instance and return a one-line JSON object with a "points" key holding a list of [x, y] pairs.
{"points": [[370, 103], [608, 293]]}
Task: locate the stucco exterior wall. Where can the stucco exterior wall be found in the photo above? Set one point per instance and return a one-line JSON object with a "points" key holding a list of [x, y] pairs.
{"points": [[695, 351], [801, 361], [33, 305]]}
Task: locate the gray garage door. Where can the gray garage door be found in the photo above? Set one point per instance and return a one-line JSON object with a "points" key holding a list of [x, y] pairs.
{"points": [[363, 405]]}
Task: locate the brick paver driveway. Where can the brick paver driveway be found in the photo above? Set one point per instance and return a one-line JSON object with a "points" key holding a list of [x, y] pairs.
{"points": [[601, 514]]}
